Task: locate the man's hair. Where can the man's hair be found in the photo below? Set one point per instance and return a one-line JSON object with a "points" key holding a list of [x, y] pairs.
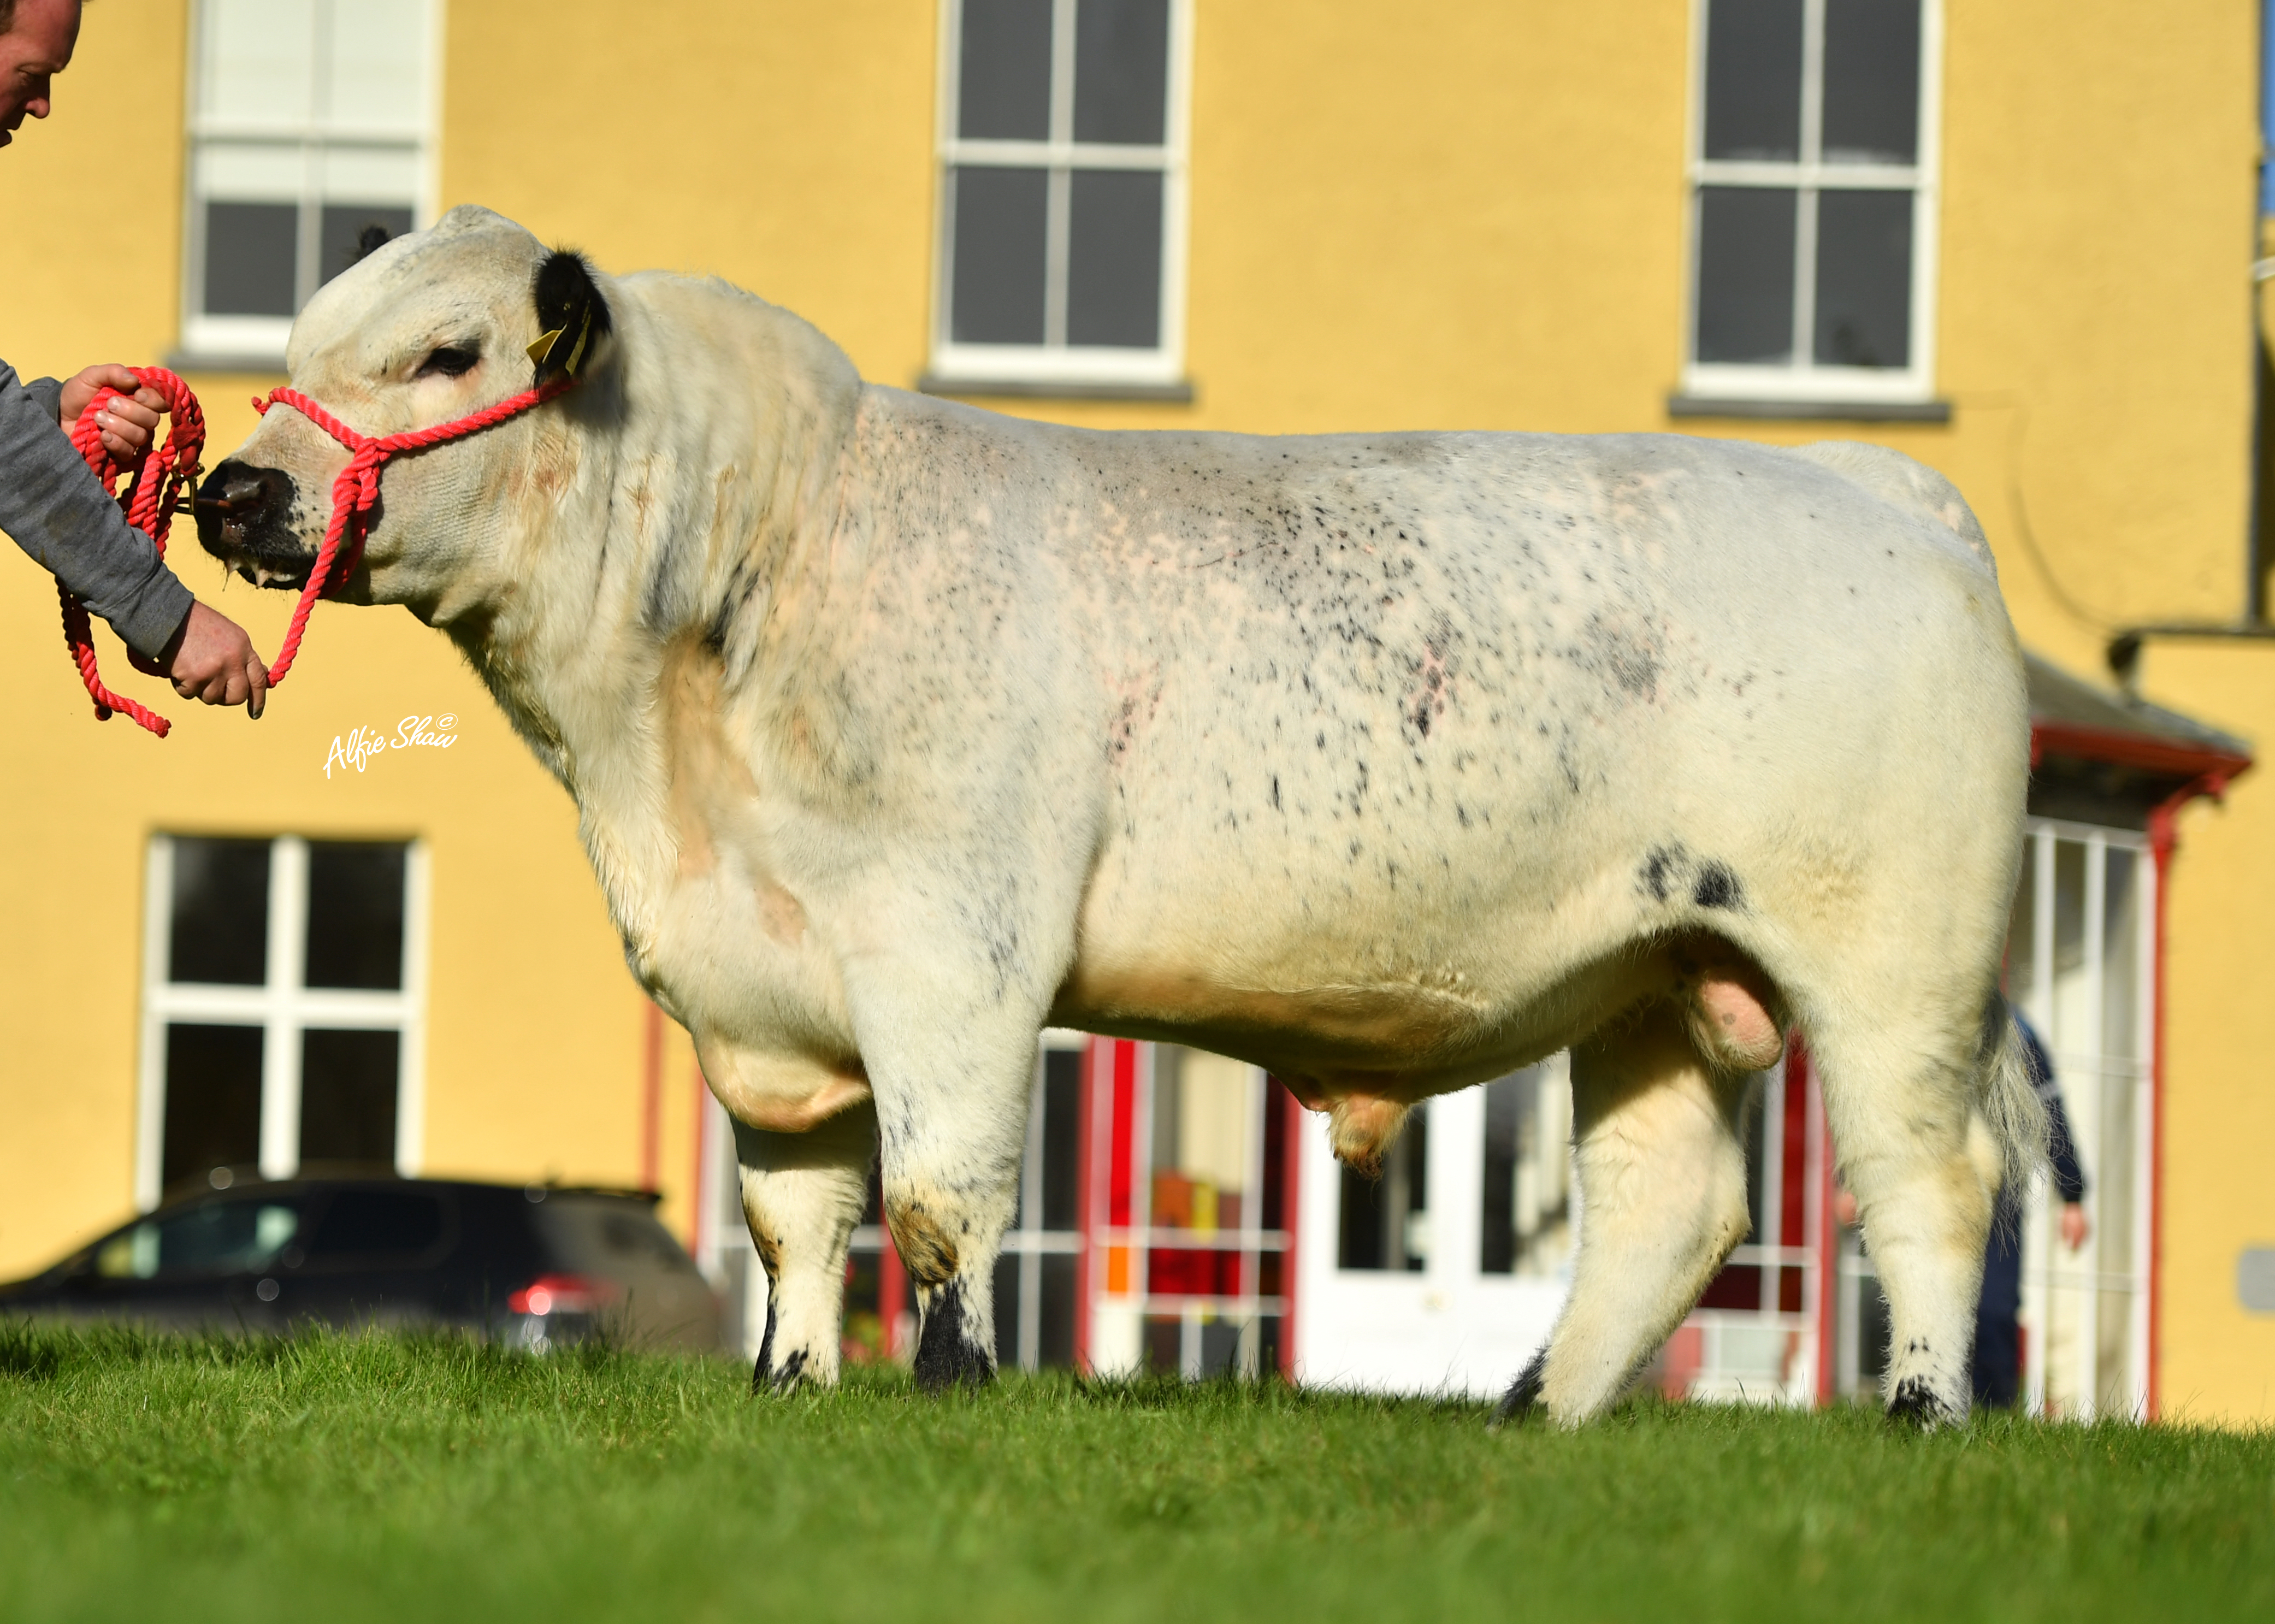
{"points": [[7, 15]]}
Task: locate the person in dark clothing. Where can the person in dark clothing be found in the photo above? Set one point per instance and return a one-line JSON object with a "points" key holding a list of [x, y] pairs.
{"points": [[50, 504], [1997, 1338]]}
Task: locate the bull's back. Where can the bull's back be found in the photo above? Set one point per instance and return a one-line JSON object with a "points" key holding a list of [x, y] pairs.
{"points": [[1395, 730]]}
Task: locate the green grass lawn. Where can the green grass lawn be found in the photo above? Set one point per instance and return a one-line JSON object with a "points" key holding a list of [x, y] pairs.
{"points": [[340, 1478]]}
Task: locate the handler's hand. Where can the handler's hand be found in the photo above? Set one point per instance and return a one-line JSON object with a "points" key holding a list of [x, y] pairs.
{"points": [[211, 658], [128, 422]]}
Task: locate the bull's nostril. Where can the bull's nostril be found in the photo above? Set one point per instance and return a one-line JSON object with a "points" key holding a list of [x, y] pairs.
{"points": [[243, 496]]}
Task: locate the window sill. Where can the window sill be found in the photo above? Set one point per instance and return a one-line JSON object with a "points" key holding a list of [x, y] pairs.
{"points": [[221, 361], [1177, 394], [1817, 410]]}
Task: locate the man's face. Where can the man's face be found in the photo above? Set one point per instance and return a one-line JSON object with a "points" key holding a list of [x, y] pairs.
{"points": [[34, 51]]}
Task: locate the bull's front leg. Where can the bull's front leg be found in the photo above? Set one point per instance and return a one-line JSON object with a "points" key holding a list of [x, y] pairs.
{"points": [[953, 1081], [801, 1195]]}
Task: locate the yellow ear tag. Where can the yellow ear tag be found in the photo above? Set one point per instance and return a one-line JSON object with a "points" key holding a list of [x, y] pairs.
{"points": [[543, 347], [577, 355]]}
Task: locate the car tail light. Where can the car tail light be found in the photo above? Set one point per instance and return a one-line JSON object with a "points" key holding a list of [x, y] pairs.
{"points": [[562, 1293]]}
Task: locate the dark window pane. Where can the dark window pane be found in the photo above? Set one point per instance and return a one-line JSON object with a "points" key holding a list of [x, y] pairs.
{"points": [[251, 252], [1753, 78], [220, 926], [1871, 81], [1376, 1224], [343, 224], [1004, 86], [997, 272], [1164, 1344], [1122, 70], [347, 1096], [1061, 1146], [1745, 274], [363, 1225], [1864, 278], [1114, 259], [1219, 1349], [355, 915], [1007, 1310], [1054, 1340], [1505, 1104], [1359, 1221], [213, 1102]]}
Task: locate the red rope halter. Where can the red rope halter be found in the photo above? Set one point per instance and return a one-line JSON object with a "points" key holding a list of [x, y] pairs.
{"points": [[356, 491], [149, 502]]}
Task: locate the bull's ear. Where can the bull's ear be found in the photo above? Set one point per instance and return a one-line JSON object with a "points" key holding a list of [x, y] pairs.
{"points": [[573, 318]]}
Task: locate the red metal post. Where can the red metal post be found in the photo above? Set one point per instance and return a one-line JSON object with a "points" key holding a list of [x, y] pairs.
{"points": [[1291, 1210], [651, 1102]]}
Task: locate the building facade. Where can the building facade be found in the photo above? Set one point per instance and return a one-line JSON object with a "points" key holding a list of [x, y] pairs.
{"points": [[2014, 241]]}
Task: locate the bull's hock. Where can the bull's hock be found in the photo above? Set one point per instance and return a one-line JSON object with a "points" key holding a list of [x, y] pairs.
{"points": [[898, 729]]}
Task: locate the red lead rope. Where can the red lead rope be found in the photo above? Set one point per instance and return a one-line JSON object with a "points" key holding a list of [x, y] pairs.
{"points": [[149, 501], [356, 491]]}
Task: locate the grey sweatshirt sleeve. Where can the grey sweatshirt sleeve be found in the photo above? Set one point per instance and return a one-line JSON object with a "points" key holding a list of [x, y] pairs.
{"points": [[55, 510]]}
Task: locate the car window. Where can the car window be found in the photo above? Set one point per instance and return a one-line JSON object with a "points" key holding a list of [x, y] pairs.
{"points": [[608, 1236], [214, 1237], [375, 1225]]}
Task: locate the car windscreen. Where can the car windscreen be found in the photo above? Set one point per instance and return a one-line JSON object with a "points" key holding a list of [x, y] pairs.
{"points": [[217, 1235], [612, 1237]]}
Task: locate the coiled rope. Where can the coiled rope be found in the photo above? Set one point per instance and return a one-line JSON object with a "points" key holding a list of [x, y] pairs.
{"points": [[149, 500]]}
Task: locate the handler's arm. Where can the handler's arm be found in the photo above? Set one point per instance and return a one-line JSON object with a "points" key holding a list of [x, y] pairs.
{"points": [[56, 511]]}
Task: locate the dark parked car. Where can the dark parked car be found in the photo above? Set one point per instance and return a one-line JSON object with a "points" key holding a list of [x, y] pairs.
{"points": [[536, 1266]]}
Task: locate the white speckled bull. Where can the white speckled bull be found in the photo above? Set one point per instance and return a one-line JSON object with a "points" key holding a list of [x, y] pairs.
{"points": [[1390, 763]]}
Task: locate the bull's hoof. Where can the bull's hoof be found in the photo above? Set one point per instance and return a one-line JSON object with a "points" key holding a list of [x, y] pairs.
{"points": [[1915, 1406], [791, 1373], [946, 1357], [1523, 1395], [769, 1377]]}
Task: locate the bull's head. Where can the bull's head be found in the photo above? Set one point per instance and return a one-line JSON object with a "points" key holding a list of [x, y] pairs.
{"points": [[422, 330]]}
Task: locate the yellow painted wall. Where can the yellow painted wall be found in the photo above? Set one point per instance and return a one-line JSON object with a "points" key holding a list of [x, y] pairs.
{"points": [[1403, 214]]}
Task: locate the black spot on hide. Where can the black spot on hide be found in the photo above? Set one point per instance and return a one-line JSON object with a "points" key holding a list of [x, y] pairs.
{"points": [[1717, 888], [1653, 875], [758, 1371], [1523, 1394], [946, 1358], [1915, 1404]]}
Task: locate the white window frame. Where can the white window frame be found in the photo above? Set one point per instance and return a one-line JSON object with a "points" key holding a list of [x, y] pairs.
{"points": [[282, 1007], [1058, 362], [1803, 379], [259, 341]]}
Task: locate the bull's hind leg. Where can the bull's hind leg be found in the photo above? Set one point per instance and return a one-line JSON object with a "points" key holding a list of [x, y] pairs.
{"points": [[801, 1195], [1900, 1083], [1663, 1199]]}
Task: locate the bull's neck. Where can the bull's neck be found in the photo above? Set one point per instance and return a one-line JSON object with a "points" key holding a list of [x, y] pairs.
{"points": [[692, 505]]}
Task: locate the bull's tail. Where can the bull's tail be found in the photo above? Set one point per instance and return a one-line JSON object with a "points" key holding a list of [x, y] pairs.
{"points": [[2007, 1099]]}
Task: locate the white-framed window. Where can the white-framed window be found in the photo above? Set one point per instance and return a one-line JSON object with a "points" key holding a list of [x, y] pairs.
{"points": [[283, 1000], [310, 120], [1813, 163], [1060, 248]]}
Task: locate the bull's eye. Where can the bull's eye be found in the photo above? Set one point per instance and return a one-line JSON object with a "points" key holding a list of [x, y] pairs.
{"points": [[451, 362]]}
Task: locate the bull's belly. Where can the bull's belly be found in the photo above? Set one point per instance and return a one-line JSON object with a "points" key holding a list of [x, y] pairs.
{"points": [[1380, 996]]}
